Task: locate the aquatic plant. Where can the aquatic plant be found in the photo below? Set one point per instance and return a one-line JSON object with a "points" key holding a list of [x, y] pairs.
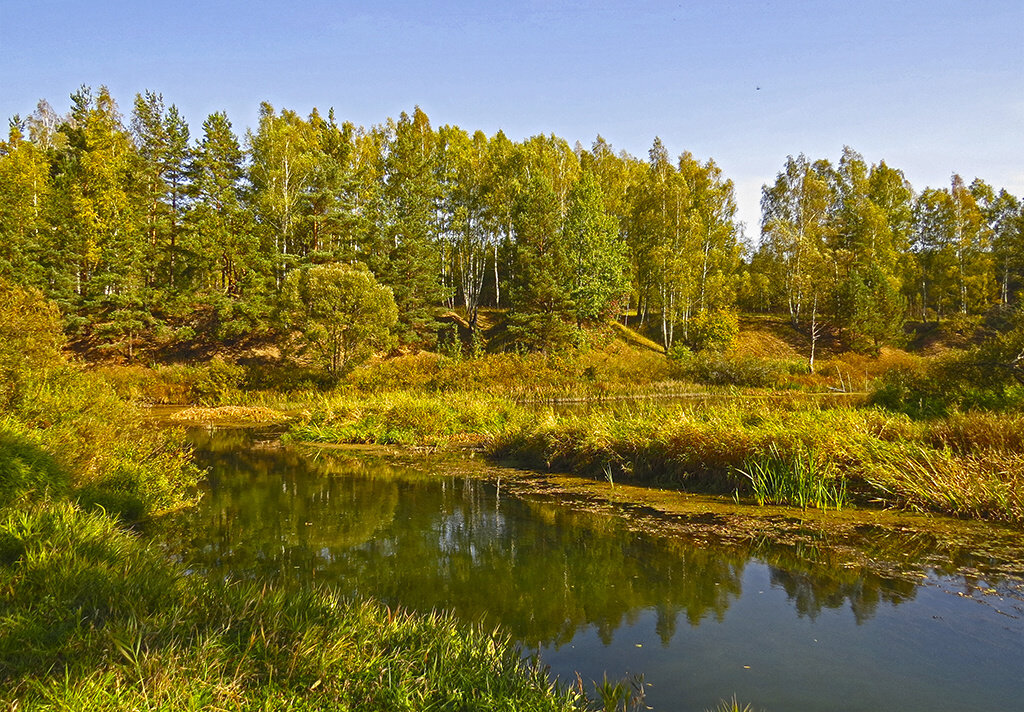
{"points": [[731, 706], [803, 479], [625, 695]]}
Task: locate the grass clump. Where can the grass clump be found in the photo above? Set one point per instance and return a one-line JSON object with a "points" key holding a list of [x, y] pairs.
{"points": [[805, 479]]}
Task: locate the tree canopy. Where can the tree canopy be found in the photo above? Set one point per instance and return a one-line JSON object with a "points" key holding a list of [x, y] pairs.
{"points": [[138, 226]]}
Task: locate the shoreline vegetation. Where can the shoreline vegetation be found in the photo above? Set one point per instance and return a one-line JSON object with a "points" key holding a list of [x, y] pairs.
{"points": [[782, 445], [802, 454]]}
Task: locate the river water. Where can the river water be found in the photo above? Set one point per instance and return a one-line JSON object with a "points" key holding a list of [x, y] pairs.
{"points": [[887, 618]]}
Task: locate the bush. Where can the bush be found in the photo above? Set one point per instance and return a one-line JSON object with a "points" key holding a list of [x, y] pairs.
{"points": [[713, 330], [217, 381], [959, 329], [912, 390], [716, 369]]}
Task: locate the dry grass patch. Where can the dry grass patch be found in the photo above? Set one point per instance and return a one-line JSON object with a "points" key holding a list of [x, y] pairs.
{"points": [[229, 414]]}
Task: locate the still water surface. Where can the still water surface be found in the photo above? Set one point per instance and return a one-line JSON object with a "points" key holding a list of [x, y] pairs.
{"points": [[594, 592]]}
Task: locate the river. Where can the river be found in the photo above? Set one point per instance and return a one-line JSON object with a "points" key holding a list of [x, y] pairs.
{"points": [[786, 610]]}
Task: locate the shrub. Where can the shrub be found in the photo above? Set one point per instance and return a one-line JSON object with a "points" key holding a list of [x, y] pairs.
{"points": [[713, 330], [909, 390], [217, 381], [723, 370]]}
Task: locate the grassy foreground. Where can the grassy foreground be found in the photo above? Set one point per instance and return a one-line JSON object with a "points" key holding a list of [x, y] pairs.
{"points": [[95, 618], [93, 615], [775, 450]]}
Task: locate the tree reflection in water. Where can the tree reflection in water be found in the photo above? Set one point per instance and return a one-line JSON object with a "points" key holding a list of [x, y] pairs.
{"points": [[543, 570]]}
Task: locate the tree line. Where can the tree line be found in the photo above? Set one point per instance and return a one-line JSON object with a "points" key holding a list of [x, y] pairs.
{"points": [[134, 226]]}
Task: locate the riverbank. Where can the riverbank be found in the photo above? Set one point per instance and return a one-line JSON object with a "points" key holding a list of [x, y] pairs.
{"points": [[780, 450]]}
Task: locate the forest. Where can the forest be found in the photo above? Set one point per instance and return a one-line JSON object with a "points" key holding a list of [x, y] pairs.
{"points": [[142, 230]]}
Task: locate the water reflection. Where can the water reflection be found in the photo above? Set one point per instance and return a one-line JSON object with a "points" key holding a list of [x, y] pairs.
{"points": [[702, 616], [426, 541]]}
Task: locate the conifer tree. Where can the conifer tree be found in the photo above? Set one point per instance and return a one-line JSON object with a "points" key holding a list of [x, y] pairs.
{"points": [[541, 309]]}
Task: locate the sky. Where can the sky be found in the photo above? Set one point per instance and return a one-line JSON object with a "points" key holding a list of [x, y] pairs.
{"points": [[932, 87]]}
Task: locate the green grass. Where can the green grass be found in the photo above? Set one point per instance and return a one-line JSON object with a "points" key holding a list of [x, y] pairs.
{"points": [[804, 479], [93, 617], [776, 451]]}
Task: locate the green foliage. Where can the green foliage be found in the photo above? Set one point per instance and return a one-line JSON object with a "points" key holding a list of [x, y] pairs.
{"points": [[731, 706], [716, 369], [135, 228], [989, 376], [959, 329], [341, 312], [969, 466], [67, 432], [915, 392], [93, 616], [984, 484], [623, 696], [26, 470], [804, 479], [713, 330]]}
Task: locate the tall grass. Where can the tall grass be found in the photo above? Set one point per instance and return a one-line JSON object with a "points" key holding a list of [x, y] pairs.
{"points": [[984, 485], [804, 479]]}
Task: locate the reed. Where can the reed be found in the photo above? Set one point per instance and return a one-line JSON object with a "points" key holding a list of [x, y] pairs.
{"points": [[804, 479], [983, 485], [731, 706]]}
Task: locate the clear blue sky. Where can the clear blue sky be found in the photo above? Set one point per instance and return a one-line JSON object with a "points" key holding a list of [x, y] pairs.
{"points": [[930, 86]]}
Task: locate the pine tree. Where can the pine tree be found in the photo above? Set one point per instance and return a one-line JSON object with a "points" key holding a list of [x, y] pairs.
{"points": [[541, 308]]}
